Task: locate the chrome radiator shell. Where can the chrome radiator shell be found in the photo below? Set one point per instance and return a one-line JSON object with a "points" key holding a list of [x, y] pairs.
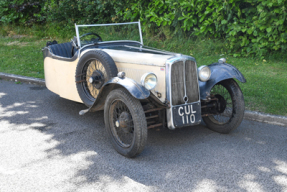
{"points": [[177, 80]]}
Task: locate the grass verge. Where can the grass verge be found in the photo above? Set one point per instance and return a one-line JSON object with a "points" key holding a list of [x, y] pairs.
{"points": [[265, 90]]}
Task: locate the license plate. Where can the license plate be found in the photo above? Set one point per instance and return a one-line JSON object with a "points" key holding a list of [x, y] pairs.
{"points": [[186, 115]]}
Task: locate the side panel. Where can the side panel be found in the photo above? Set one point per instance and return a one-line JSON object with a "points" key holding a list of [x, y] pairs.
{"points": [[60, 78], [136, 71], [135, 65], [219, 72], [138, 57], [60, 74]]}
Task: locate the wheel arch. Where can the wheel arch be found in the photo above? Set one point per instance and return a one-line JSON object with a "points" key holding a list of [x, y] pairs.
{"points": [[234, 113], [137, 91], [219, 72]]}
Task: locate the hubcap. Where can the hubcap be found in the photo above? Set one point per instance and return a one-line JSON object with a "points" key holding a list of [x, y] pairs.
{"points": [[121, 122], [95, 78], [91, 80], [124, 120], [117, 123], [221, 104]]}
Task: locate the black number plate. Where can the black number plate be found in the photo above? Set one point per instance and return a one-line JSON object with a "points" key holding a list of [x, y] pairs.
{"points": [[185, 115]]}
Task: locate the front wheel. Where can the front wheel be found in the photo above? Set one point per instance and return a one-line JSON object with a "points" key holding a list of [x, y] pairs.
{"points": [[229, 117], [125, 123]]}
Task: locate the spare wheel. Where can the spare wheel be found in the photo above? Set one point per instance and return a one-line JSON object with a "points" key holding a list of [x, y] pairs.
{"points": [[93, 70]]}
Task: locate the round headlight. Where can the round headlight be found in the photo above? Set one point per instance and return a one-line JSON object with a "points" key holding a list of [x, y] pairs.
{"points": [[149, 80], [204, 73]]}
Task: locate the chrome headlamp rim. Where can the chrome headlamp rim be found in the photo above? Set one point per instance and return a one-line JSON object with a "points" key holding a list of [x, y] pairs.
{"points": [[200, 70], [143, 78]]}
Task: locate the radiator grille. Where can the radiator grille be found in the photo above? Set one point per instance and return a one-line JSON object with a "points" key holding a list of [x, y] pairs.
{"points": [[177, 83], [179, 74]]}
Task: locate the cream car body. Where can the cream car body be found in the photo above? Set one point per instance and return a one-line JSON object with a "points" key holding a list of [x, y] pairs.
{"points": [[95, 74]]}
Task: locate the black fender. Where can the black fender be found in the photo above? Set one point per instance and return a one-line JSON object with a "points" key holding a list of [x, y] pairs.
{"points": [[136, 90], [219, 72]]}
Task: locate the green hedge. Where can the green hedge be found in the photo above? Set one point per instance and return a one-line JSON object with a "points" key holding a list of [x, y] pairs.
{"points": [[249, 27], [20, 11]]}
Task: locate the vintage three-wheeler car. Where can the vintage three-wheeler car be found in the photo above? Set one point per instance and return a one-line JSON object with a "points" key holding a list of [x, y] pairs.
{"points": [[140, 87]]}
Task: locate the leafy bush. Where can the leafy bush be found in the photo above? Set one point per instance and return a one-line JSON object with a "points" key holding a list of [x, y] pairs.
{"points": [[19, 11], [259, 27], [84, 11], [249, 27]]}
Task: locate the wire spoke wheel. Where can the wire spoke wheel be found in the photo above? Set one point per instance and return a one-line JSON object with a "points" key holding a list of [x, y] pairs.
{"points": [[91, 89], [230, 107], [225, 116], [125, 122], [122, 123], [94, 69]]}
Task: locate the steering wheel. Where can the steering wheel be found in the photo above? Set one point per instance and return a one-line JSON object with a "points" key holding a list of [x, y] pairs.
{"points": [[92, 33], [74, 41]]}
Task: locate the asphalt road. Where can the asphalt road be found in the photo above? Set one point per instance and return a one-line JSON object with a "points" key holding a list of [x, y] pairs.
{"points": [[46, 146]]}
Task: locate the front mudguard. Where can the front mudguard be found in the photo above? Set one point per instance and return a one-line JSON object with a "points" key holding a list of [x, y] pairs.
{"points": [[219, 72], [136, 90]]}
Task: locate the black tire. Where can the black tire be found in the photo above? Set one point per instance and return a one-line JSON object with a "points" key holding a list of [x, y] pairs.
{"points": [[233, 114], [125, 123], [91, 62]]}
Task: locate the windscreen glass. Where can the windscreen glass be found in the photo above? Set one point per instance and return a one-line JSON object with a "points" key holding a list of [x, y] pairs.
{"points": [[95, 34]]}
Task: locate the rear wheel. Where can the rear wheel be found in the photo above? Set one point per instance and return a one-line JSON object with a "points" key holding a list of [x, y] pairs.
{"points": [[230, 107], [125, 123]]}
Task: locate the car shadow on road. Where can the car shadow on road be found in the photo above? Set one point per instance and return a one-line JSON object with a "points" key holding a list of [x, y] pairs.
{"points": [[253, 157]]}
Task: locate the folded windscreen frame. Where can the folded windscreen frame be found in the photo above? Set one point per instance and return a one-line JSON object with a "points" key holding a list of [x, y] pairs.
{"points": [[113, 32]]}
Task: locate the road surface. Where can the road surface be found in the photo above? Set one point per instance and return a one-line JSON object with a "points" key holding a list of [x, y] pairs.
{"points": [[46, 146]]}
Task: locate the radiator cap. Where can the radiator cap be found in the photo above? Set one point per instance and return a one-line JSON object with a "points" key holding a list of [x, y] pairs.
{"points": [[222, 60]]}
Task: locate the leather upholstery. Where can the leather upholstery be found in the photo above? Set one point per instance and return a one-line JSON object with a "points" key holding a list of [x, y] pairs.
{"points": [[62, 50]]}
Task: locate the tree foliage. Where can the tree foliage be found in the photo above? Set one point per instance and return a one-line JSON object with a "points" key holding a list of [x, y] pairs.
{"points": [[250, 27], [19, 11]]}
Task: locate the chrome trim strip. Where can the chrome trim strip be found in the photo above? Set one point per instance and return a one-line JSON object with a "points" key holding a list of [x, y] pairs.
{"points": [[172, 53], [140, 31], [185, 96], [107, 24], [164, 52], [78, 36]]}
